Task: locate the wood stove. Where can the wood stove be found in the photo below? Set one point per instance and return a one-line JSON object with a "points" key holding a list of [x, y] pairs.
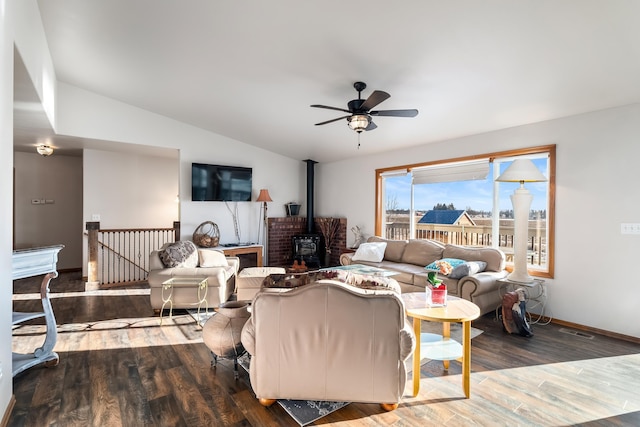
{"points": [[306, 247]]}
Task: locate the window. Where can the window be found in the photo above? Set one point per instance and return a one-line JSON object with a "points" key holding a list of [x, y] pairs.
{"points": [[459, 201]]}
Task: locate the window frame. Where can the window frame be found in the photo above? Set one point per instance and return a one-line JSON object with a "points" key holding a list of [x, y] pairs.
{"points": [[546, 149]]}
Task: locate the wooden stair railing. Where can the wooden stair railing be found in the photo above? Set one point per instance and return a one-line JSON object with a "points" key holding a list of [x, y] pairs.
{"points": [[118, 257]]}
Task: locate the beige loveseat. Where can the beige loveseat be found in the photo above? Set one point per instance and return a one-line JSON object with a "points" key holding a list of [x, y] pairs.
{"points": [[328, 340], [409, 259], [219, 270]]}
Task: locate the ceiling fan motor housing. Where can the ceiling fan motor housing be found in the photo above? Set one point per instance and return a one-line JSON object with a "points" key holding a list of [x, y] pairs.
{"points": [[354, 105]]}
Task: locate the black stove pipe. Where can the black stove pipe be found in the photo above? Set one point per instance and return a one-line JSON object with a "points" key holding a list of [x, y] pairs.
{"points": [[310, 186]]}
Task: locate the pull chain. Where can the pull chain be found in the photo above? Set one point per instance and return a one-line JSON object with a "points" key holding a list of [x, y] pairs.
{"points": [[358, 140]]}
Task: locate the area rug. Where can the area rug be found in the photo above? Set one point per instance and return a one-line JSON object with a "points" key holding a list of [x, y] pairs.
{"points": [[304, 412]]}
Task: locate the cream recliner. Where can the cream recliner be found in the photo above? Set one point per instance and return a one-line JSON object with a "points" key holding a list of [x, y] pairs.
{"points": [[328, 341]]}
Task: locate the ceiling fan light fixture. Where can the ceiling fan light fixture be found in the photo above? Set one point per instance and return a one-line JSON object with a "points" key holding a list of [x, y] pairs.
{"points": [[44, 150], [359, 122]]}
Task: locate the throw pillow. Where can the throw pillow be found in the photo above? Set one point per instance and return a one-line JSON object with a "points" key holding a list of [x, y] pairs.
{"points": [[212, 258], [467, 268], [372, 252], [183, 253], [445, 265]]}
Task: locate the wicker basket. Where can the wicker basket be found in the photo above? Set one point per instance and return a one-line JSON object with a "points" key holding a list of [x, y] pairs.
{"points": [[206, 235]]}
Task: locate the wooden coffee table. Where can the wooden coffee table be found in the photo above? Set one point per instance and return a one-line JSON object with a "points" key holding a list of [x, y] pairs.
{"points": [[457, 310]]}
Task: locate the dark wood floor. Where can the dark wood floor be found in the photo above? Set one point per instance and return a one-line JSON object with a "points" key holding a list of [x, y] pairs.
{"points": [[118, 366]]}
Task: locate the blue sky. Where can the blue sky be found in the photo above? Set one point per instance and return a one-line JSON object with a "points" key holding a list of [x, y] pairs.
{"points": [[474, 194]]}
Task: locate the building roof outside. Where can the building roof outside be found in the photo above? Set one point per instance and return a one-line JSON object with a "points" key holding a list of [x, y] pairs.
{"points": [[450, 217]]}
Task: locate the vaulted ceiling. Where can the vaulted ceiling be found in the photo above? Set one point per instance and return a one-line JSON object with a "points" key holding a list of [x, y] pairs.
{"points": [[251, 69]]}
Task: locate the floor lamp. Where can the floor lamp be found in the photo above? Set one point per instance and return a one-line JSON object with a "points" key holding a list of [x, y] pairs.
{"points": [[264, 197], [521, 170]]}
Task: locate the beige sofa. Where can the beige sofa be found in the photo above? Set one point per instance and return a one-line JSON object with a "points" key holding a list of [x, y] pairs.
{"points": [[328, 341], [219, 270], [409, 259]]}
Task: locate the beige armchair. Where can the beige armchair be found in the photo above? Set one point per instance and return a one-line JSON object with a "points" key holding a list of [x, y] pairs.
{"points": [[328, 341], [220, 279]]}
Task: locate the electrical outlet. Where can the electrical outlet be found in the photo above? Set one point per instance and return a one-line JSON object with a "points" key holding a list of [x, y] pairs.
{"points": [[95, 217], [629, 228]]}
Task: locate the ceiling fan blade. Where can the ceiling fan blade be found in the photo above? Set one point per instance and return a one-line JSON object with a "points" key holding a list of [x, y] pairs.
{"points": [[395, 113], [330, 108], [332, 120], [374, 99], [371, 126]]}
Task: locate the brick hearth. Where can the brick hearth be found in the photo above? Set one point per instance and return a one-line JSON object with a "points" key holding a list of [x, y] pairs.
{"points": [[281, 230]]}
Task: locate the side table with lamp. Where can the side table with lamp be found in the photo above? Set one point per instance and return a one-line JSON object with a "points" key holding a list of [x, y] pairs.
{"points": [[521, 170]]}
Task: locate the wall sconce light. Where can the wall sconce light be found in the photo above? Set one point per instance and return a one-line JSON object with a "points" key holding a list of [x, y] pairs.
{"points": [[44, 150]]}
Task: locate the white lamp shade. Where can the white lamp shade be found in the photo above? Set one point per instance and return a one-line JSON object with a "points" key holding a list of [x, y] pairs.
{"points": [[522, 170]]}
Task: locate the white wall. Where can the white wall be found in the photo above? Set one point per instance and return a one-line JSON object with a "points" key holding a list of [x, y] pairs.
{"points": [[59, 179], [129, 191], [84, 114], [596, 189], [6, 206]]}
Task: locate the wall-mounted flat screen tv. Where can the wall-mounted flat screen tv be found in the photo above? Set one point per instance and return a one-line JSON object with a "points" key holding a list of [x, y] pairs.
{"points": [[217, 183]]}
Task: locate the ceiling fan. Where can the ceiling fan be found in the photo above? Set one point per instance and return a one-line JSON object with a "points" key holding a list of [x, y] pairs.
{"points": [[359, 117]]}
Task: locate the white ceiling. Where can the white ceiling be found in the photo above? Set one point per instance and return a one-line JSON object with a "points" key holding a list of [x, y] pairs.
{"points": [[249, 69]]}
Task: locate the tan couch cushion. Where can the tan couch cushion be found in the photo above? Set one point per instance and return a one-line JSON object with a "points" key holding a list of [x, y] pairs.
{"points": [[422, 252], [493, 257], [394, 249]]}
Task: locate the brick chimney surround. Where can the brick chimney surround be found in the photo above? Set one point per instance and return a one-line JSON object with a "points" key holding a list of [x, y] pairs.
{"points": [[281, 231]]}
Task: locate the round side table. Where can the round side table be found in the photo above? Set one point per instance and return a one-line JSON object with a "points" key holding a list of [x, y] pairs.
{"points": [[457, 310]]}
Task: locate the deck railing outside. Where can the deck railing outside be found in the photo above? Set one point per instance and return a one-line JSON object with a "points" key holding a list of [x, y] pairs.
{"points": [[121, 256], [473, 235]]}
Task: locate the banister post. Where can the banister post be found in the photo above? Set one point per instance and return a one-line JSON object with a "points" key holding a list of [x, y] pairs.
{"points": [[176, 230], [92, 254]]}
